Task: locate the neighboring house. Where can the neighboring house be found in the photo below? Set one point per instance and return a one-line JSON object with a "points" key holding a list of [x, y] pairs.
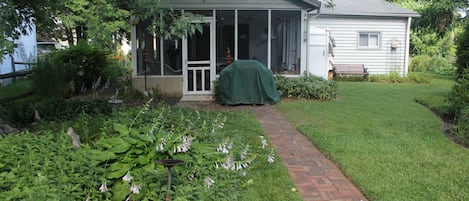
{"points": [[25, 52], [370, 32]]}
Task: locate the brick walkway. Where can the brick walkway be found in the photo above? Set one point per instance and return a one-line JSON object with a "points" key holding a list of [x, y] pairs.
{"points": [[316, 177]]}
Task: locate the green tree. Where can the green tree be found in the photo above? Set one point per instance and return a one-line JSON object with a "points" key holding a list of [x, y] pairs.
{"points": [[462, 60]]}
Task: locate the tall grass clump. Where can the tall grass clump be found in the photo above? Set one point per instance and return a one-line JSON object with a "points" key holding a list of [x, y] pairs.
{"points": [[307, 87], [434, 65]]}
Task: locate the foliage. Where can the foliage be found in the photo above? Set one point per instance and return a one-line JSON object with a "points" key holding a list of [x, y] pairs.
{"points": [[308, 86], [45, 166], [436, 65], [22, 112], [129, 157], [458, 97], [74, 70], [100, 22], [50, 78], [378, 127], [462, 61], [463, 126], [394, 77]]}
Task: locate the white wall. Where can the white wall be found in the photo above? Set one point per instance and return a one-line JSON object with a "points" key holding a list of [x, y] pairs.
{"points": [[378, 61]]}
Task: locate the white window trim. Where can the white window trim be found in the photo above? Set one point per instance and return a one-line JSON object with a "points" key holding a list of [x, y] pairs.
{"points": [[369, 42]]}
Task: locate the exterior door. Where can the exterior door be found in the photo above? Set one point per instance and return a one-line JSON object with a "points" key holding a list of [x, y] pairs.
{"points": [[318, 53], [199, 60]]}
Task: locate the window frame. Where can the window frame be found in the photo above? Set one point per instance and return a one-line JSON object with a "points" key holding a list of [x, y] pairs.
{"points": [[369, 34]]}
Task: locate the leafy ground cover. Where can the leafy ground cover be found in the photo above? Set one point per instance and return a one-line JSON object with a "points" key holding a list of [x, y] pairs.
{"points": [[391, 146], [226, 157]]}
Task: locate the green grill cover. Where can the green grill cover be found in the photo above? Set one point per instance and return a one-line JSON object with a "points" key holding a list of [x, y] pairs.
{"points": [[247, 82]]}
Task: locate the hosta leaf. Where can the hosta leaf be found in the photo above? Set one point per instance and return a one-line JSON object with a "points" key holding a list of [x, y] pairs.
{"points": [[142, 160], [117, 145], [102, 155], [120, 191], [121, 129]]}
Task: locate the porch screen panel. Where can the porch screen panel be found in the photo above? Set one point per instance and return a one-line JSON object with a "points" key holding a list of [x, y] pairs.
{"points": [[225, 38], [252, 35], [286, 41], [172, 57], [148, 56]]}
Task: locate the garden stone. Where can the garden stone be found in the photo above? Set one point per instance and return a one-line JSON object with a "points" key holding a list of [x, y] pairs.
{"points": [[6, 129]]}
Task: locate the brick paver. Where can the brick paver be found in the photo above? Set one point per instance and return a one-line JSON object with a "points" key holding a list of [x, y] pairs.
{"points": [[316, 177]]}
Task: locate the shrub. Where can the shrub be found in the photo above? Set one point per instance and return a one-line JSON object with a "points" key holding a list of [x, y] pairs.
{"points": [[441, 66], [50, 78], [436, 65], [74, 68], [463, 126], [22, 112], [419, 63], [420, 78], [394, 77], [308, 86], [462, 52], [459, 94]]}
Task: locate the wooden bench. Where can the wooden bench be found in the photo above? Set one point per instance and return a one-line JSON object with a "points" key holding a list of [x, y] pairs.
{"points": [[350, 69]]}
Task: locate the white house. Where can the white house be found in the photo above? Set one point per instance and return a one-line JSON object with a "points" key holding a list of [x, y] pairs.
{"points": [[289, 37], [370, 32], [24, 52]]}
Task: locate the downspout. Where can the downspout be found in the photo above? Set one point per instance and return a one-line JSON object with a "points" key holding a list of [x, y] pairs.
{"points": [[306, 32], [407, 47]]}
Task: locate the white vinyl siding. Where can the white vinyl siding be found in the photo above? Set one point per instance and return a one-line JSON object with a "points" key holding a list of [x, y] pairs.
{"points": [[381, 59]]}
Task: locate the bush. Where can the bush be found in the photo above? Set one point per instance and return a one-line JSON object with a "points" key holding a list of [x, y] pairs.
{"points": [[420, 63], [463, 126], [22, 112], [50, 78], [436, 65], [459, 95], [307, 86], [462, 52], [420, 78], [394, 77], [73, 69]]}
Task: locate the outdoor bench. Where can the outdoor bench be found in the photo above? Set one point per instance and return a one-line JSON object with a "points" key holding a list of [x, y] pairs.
{"points": [[350, 69]]}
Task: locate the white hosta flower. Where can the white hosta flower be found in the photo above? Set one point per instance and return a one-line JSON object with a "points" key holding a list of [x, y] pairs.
{"points": [[163, 142], [243, 174], [270, 158], [103, 188], [228, 164], [135, 189], [127, 177], [186, 144], [221, 125], [263, 141], [225, 147], [209, 182]]}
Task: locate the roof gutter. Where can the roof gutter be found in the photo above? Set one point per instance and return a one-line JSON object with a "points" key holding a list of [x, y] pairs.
{"points": [[315, 3]]}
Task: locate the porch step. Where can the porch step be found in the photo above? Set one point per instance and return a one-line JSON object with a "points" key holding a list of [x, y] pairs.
{"points": [[188, 98]]}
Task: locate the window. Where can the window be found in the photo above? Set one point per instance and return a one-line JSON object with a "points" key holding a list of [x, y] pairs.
{"points": [[369, 39]]}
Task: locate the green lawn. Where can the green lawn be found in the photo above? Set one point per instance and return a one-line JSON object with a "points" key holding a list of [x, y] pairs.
{"points": [[389, 145], [21, 86]]}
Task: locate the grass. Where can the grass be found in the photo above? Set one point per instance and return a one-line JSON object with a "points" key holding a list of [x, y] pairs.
{"points": [[21, 86], [389, 145]]}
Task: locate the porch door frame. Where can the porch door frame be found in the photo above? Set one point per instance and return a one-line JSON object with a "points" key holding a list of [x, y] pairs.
{"points": [[211, 63]]}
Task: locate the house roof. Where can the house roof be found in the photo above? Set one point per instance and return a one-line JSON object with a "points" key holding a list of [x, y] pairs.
{"points": [[368, 8], [315, 3]]}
